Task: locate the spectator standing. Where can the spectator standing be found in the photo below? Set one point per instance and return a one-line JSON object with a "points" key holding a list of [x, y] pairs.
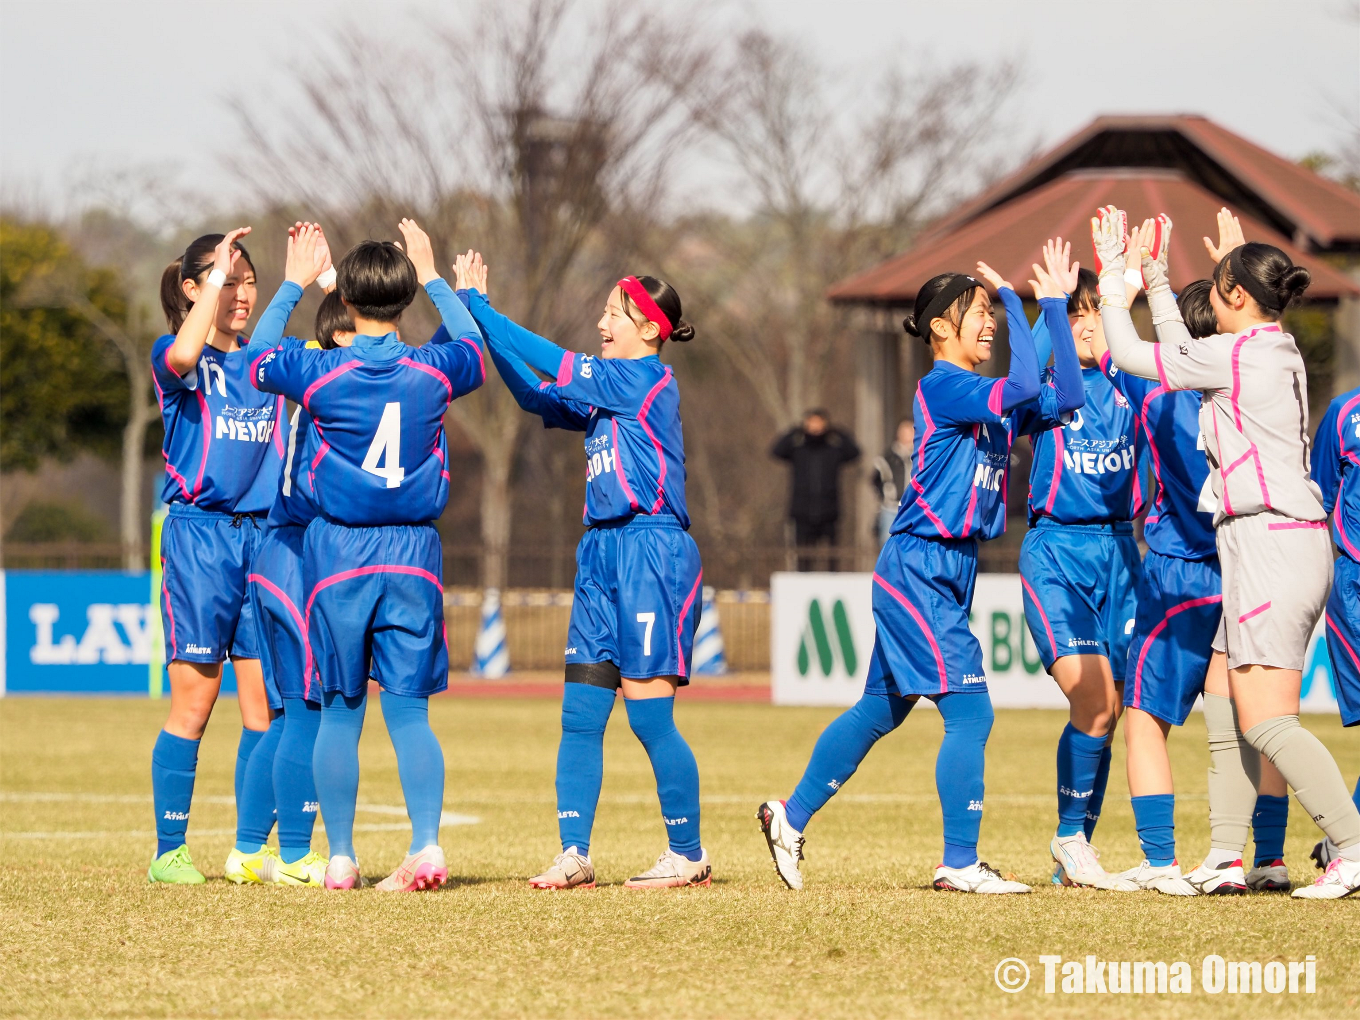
{"points": [[816, 450], [890, 476]]}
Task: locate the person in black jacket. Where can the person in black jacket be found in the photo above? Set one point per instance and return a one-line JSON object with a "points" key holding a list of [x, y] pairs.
{"points": [[817, 451]]}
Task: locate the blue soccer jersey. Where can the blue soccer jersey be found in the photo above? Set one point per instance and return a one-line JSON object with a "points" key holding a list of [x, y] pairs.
{"points": [[1180, 521], [1336, 469], [965, 426], [377, 409], [222, 445], [629, 410], [1084, 471]]}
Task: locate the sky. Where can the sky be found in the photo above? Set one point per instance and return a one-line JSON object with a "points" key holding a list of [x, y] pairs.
{"points": [[90, 88]]}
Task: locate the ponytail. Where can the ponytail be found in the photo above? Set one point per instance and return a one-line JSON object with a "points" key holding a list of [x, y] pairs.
{"points": [[173, 302], [194, 265]]}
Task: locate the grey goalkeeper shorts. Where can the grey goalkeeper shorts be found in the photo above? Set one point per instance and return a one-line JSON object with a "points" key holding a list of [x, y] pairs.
{"points": [[1276, 575]]}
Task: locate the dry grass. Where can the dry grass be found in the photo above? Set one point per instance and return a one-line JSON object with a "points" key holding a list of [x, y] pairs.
{"points": [[83, 934]]}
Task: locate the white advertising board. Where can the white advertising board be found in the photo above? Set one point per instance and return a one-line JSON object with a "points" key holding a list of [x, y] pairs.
{"points": [[822, 633]]}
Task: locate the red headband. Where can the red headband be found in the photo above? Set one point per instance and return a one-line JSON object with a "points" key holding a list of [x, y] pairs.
{"points": [[635, 290]]}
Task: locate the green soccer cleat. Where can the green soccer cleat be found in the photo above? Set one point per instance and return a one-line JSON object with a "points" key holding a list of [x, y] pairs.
{"points": [[175, 867], [259, 867], [310, 870]]}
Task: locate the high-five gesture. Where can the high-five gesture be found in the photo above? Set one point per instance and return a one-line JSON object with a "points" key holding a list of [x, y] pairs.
{"points": [[226, 253], [308, 255], [470, 271], [1109, 237], [419, 251], [992, 277], [1230, 236], [1060, 272]]}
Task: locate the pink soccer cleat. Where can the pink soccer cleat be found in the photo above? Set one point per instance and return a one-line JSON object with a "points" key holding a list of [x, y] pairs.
{"points": [[343, 873], [424, 869]]}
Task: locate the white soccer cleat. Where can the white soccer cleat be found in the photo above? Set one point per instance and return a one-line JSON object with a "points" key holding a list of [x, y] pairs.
{"points": [[1165, 879], [343, 873], [424, 869], [1079, 863], [785, 842], [978, 877], [570, 869], [1342, 878], [673, 871], [1228, 880], [1324, 853], [1272, 877]]}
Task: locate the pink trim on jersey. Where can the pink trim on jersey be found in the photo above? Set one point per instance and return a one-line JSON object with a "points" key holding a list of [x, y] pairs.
{"points": [[565, 368], [254, 365], [282, 596], [1105, 362], [325, 448], [1152, 445], [925, 509], [1355, 660], [346, 575], [972, 492], [280, 414], [1161, 372], [618, 465], [169, 612], [994, 396], [443, 471], [660, 454], [1222, 475], [1254, 612], [1048, 628], [1292, 525], [1339, 518], [680, 627], [207, 442], [1341, 430], [428, 370], [925, 438], [920, 622], [481, 359], [328, 377], [1236, 393], [1057, 470], [1152, 636]]}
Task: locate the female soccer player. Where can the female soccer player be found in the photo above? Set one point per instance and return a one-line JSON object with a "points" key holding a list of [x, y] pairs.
{"points": [[372, 559], [222, 455], [1336, 469], [636, 603], [1273, 546], [1078, 567], [923, 581], [279, 779]]}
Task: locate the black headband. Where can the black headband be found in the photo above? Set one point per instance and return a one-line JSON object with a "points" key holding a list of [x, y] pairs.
{"points": [[941, 301], [1268, 302]]}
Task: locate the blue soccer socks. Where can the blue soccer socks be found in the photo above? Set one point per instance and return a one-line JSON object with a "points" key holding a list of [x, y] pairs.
{"points": [[420, 763], [294, 785], [580, 761], [255, 797], [1155, 817], [174, 760], [335, 765], [1078, 762], [244, 748], [1097, 800], [677, 773], [959, 768], [1268, 824], [840, 749]]}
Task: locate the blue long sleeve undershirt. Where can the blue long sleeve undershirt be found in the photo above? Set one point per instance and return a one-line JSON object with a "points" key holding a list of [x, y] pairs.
{"points": [[526, 345], [1067, 378], [1022, 379]]}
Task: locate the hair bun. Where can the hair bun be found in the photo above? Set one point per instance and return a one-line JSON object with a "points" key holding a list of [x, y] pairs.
{"points": [[909, 324], [682, 332], [1293, 283]]}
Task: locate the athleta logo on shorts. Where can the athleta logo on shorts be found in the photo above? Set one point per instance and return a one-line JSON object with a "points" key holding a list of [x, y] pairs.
{"points": [[974, 678], [176, 816], [1081, 642], [197, 650]]}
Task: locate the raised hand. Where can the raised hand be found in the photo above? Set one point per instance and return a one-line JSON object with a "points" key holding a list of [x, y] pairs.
{"points": [[1230, 236], [1109, 237], [992, 277], [306, 258], [477, 272], [1043, 284], [323, 248], [419, 251], [225, 254], [1059, 265]]}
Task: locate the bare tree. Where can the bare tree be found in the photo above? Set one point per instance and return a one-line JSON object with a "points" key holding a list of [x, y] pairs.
{"points": [[522, 135]]}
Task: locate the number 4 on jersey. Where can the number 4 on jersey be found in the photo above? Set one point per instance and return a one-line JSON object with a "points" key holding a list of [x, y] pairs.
{"points": [[386, 447]]}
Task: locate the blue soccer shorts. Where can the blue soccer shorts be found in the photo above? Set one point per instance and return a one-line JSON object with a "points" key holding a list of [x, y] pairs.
{"points": [[1343, 637], [1079, 583], [277, 597], [1179, 603], [375, 608], [637, 601], [205, 609], [923, 591]]}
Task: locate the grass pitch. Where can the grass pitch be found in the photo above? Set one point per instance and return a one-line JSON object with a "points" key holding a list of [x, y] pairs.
{"points": [[81, 932]]}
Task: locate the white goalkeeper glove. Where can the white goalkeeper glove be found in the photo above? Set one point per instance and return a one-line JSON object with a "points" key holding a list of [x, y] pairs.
{"points": [[1110, 237]]}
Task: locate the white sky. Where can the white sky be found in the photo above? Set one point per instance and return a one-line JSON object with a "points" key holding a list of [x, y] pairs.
{"points": [[145, 83]]}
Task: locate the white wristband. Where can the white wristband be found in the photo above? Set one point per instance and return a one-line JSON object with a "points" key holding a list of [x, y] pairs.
{"points": [[1134, 278], [217, 278], [327, 279]]}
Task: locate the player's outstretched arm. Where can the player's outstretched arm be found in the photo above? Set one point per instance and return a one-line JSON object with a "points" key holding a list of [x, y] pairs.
{"points": [[182, 355], [1022, 380], [455, 316], [306, 257], [500, 331], [1109, 235], [1057, 279]]}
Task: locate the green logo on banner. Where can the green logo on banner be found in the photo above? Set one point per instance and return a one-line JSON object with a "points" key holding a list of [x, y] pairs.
{"points": [[820, 638]]}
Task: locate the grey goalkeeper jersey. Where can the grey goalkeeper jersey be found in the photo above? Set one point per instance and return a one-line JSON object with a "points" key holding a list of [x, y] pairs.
{"points": [[1254, 414]]}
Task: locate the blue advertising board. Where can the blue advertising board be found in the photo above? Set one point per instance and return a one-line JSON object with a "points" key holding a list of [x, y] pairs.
{"points": [[80, 632]]}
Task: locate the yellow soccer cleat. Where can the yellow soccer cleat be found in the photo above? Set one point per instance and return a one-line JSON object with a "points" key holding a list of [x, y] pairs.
{"points": [[309, 871], [174, 867], [256, 868]]}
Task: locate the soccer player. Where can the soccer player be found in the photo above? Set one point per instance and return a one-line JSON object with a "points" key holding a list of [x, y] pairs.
{"points": [[636, 603], [222, 455], [923, 581], [1273, 546], [372, 559], [1336, 469], [1079, 563], [279, 776]]}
